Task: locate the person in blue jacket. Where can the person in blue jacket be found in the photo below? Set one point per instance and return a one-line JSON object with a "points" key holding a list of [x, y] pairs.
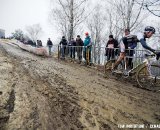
{"points": [[87, 47]]}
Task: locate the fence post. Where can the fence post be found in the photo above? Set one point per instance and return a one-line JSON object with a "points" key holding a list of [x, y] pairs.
{"points": [[58, 52], [93, 54]]}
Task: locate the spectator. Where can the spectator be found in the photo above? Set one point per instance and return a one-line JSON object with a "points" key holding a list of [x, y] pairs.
{"points": [[30, 42], [72, 45], [131, 45], [87, 48], [63, 43], [79, 44], [110, 48], [126, 43], [39, 43], [49, 44]]}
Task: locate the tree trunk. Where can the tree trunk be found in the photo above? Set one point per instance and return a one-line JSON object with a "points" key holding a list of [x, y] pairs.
{"points": [[71, 19]]}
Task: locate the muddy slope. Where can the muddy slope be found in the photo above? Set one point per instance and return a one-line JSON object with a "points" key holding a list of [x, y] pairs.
{"points": [[51, 94], [30, 102]]}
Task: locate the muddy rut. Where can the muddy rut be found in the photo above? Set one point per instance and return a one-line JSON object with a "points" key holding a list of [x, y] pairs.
{"points": [[39, 93]]}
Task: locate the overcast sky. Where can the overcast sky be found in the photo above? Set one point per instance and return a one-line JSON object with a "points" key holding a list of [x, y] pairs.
{"points": [[16, 14]]}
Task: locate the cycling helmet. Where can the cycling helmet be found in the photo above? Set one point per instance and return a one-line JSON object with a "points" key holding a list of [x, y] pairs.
{"points": [[150, 29]]}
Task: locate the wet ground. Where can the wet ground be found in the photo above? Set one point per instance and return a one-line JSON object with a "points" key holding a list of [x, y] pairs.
{"points": [[39, 93]]}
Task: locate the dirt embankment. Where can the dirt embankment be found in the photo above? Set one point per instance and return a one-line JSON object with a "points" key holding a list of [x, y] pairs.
{"points": [[28, 101], [46, 94]]}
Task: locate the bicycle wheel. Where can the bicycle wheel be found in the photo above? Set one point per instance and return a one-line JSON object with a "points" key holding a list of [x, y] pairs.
{"points": [[149, 79]]}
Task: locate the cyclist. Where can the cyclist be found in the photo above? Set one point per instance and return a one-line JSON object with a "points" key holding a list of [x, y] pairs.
{"points": [[148, 32], [132, 43], [140, 37]]}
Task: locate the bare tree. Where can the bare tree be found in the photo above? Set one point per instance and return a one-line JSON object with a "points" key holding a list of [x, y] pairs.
{"points": [[113, 23], [34, 31], [96, 25], [124, 14], [153, 6], [18, 34], [68, 15]]}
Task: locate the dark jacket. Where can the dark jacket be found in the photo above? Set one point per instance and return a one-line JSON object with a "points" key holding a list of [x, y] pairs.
{"points": [[79, 42], [49, 43], [63, 42], [30, 42], [130, 41], [72, 43], [132, 45], [114, 42], [39, 43]]}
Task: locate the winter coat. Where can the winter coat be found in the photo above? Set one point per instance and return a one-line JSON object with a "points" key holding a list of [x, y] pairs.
{"points": [[130, 41], [49, 43], [72, 43], [87, 43], [132, 45], [63, 42], [79, 42], [111, 44]]}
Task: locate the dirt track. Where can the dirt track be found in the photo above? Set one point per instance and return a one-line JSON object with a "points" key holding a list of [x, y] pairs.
{"points": [[45, 94]]}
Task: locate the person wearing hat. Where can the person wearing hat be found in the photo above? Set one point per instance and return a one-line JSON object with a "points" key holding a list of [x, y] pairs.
{"points": [[79, 46], [110, 47], [87, 47]]}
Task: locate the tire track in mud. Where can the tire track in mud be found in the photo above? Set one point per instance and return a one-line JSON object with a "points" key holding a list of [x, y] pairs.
{"points": [[101, 104], [39, 104], [117, 102], [120, 105], [7, 95]]}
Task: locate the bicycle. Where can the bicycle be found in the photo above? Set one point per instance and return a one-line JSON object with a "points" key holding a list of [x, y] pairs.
{"points": [[147, 74]]}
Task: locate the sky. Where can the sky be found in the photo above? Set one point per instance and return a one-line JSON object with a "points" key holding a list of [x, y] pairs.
{"points": [[17, 14]]}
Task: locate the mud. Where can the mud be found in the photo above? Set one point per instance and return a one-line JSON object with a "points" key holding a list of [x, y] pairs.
{"points": [[46, 94], [33, 103]]}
